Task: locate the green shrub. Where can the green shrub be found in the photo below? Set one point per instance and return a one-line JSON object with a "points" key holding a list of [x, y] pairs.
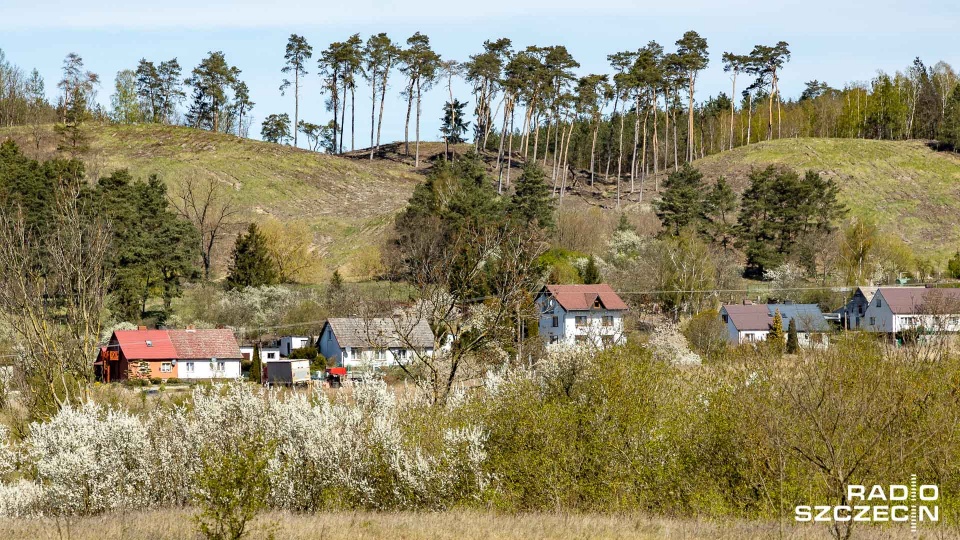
{"points": [[706, 334]]}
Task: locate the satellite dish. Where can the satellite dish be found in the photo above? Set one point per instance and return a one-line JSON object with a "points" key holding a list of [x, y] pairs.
{"points": [[173, 362]]}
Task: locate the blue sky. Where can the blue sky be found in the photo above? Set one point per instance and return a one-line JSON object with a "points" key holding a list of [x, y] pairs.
{"points": [[837, 41]]}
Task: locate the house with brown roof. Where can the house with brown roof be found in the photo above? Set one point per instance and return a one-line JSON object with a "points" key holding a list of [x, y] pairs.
{"points": [[374, 342], [170, 354], [749, 323], [893, 310], [586, 315]]}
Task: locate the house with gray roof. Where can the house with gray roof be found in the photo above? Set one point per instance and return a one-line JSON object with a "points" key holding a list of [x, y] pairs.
{"points": [[893, 310], [853, 313], [749, 323], [374, 342]]}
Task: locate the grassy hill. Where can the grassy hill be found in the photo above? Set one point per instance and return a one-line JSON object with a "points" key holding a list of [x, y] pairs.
{"points": [[911, 190], [348, 202]]}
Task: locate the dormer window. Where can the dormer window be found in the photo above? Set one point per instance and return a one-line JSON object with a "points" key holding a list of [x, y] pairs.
{"points": [[597, 304]]}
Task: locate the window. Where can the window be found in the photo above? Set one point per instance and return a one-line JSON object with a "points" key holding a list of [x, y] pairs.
{"points": [[597, 304], [189, 367], [380, 354], [879, 304], [606, 340], [221, 366], [554, 340], [556, 321], [581, 320], [873, 321], [608, 320], [271, 355], [166, 367], [725, 318], [749, 337]]}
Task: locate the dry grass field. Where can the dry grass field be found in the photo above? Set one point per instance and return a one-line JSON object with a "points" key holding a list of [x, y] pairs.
{"points": [[452, 525]]}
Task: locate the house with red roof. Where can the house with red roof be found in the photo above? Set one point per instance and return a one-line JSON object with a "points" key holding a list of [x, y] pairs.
{"points": [[587, 315], [170, 354]]}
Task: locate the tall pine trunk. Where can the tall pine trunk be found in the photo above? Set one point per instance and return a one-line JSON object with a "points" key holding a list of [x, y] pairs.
{"points": [[593, 149], [643, 154], [383, 97], [416, 160], [373, 108], [343, 114], [353, 117], [636, 140], [296, 105], [406, 126], [733, 105], [690, 139]]}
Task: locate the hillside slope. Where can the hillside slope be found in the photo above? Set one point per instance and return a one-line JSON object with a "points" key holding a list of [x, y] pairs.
{"points": [[348, 202], [911, 190]]}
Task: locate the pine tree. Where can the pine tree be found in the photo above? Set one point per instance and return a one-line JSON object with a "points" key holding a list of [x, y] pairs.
{"points": [[682, 203], [775, 337], [276, 128], [532, 200], [297, 53], [591, 272], [256, 366], [252, 266], [793, 344], [721, 203]]}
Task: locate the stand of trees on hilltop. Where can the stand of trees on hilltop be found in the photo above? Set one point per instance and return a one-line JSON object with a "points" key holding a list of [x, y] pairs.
{"points": [[639, 118]]}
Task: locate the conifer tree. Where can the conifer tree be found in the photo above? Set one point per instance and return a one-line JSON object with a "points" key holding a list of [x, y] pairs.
{"points": [[532, 199], [297, 53], [256, 366], [775, 337], [793, 344], [682, 203], [252, 266], [591, 272]]}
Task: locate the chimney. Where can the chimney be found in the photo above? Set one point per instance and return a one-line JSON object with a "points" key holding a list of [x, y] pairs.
{"points": [[141, 328], [747, 302], [191, 328]]}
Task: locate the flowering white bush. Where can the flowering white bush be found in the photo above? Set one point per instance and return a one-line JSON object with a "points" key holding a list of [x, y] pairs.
{"points": [[349, 452], [19, 499]]}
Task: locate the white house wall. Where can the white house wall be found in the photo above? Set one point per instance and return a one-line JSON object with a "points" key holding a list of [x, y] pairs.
{"points": [[289, 343], [205, 369], [567, 331]]}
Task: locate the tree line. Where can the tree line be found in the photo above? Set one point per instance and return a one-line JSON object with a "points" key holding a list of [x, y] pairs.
{"points": [[628, 124]]}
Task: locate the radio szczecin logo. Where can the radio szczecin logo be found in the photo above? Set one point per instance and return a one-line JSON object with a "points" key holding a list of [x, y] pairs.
{"points": [[879, 504]]}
